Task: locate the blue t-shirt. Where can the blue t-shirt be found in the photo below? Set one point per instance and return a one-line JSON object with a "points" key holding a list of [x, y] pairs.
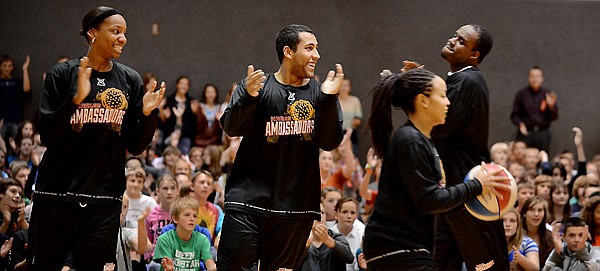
{"points": [[527, 246]]}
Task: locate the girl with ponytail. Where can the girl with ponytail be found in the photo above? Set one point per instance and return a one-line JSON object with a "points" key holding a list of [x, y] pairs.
{"points": [[400, 233]]}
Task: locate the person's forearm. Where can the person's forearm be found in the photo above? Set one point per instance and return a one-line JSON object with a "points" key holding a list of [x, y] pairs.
{"points": [[142, 238], [580, 153], [363, 191], [26, 81], [210, 265], [4, 225]]}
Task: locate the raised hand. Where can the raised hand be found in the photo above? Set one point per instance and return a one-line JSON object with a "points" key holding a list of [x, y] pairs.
{"points": [[372, 159], [179, 110], [143, 215], [320, 231], [83, 80], [254, 81], [551, 99], [578, 139], [333, 82], [582, 243], [409, 65], [26, 64], [152, 98], [557, 237], [6, 247]]}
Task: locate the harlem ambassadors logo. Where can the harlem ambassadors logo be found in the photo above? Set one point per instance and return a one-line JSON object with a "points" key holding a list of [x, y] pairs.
{"points": [[300, 121], [108, 107]]}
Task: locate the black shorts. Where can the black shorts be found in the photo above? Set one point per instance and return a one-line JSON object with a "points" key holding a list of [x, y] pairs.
{"points": [[276, 242], [89, 232]]}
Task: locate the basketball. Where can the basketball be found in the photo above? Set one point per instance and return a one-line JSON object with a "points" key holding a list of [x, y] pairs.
{"points": [[487, 206]]}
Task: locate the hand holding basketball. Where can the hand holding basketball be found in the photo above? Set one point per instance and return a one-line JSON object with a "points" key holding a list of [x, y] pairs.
{"points": [[499, 193], [490, 181]]}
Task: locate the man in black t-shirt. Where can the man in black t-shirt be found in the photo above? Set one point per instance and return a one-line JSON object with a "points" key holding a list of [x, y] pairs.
{"points": [[462, 143], [272, 194]]}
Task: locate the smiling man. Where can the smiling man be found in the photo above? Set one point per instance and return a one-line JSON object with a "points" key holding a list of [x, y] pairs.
{"points": [[272, 194], [462, 143]]}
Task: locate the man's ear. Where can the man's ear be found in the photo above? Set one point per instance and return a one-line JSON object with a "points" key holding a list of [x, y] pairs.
{"points": [[475, 56], [287, 52]]}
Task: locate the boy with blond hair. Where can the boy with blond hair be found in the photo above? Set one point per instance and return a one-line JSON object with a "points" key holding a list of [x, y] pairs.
{"points": [[184, 248]]}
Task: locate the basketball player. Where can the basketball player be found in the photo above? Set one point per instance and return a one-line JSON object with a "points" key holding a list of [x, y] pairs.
{"points": [[463, 143], [400, 232], [272, 195], [91, 111]]}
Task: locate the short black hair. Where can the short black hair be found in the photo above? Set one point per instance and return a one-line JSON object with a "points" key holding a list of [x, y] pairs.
{"points": [[485, 42], [6, 58], [573, 222], [289, 36]]}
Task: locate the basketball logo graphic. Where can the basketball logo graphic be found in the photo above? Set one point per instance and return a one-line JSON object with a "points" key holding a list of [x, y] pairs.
{"points": [[113, 98], [301, 110]]}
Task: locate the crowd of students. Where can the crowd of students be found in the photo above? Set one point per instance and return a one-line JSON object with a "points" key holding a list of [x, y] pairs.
{"points": [[172, 211]]}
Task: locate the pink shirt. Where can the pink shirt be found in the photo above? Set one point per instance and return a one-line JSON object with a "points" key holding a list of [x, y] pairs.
{"points": [[156, 220]]}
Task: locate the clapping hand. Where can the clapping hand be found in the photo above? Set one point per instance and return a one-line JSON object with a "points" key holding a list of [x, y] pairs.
{"points": [[254, 81], [333, 82], [83, 81], [152, 97]]}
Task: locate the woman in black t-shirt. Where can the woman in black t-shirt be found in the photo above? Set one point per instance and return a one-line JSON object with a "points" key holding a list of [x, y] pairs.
{"points": [[92, 110], [400, 232]]}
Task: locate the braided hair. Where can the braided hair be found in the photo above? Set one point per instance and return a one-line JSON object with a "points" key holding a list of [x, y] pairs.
{"points": [[399, 91]]}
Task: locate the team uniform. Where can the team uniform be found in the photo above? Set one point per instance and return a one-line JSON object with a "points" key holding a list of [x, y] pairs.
{"points": [[399, 235], [463, 143], [81, 178], [276, 172]]}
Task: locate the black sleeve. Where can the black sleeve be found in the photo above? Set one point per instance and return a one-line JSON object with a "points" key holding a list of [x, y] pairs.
{"points": [[56, 105], [237, 119], [138, 129], [516, 110], [421, 182], [22, 95], [328, 122], [342, 248]]}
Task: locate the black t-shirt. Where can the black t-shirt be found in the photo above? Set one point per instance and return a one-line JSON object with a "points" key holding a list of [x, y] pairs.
{"points": [[276, 170], [86, 143], [410, 195], [463, 140]]}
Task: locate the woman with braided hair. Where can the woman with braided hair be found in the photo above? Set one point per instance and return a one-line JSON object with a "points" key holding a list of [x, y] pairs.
{"points": [[400, 232]]}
